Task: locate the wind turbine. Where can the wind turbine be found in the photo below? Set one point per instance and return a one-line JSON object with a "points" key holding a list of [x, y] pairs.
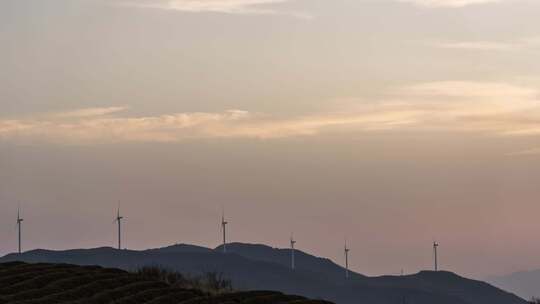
{"points": [[19, 226], [118, 220], [292, 251], [346, 251], [435, 247], [224, 228]]}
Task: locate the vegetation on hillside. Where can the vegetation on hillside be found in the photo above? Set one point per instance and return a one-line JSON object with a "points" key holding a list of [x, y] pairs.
{"points": [[22, 283], [210, 282]]}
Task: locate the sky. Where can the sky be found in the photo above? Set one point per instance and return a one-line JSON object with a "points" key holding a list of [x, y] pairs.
{"points": [[389, 123]]}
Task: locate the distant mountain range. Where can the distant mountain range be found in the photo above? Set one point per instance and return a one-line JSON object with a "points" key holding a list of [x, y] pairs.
{"points": [[257, 267], [526, 284]]}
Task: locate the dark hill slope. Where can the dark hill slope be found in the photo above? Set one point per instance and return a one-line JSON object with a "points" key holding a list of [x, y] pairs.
{"points": [[441, 282], [255, 267], [282, 257], [64, 283], [524, 283], [449, 283]]}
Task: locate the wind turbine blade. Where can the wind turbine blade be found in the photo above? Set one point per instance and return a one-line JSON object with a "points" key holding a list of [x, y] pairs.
{"points": [[18, 215]]}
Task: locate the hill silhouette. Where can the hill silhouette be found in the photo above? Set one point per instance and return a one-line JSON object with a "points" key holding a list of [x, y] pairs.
{"points": [[524, 283], [282, 257], [254, 267], [64, 283]]}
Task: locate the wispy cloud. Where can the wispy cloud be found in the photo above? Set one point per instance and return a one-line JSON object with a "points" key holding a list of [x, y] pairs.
{"points": [[460, 106], [449, 3], [89, 112], [529, 43], [520, 44], [478, 45], [497, 108], [469, 91], [181, 126], [218, 6], [528, 152]]}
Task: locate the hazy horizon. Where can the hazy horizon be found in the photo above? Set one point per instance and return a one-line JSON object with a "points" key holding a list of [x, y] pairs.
{"points": [[391, 123]]}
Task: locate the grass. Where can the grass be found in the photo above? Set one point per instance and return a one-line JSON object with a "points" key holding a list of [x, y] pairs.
{"points": [[22, 283]]}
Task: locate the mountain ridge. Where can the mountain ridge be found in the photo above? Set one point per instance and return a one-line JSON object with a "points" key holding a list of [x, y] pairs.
{"points": [[523, 283], [258, 266]]}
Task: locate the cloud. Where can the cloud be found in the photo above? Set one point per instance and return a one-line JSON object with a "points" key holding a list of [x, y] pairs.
{"points": [[521, 44], [181, 126], [89, 112], [496, 109], [534, 151], [218, 6], [449, 3], [478, 45], [468, 90]]}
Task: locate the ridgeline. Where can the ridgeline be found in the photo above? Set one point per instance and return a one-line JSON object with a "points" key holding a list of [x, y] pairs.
{"points": [[260, 267]]}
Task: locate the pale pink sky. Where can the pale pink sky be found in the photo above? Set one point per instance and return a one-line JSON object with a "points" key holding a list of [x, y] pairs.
{"points": [[391, 123]]}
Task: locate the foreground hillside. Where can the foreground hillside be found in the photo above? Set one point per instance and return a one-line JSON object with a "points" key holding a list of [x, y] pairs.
{"points": [[259, 267], [64, 283]]}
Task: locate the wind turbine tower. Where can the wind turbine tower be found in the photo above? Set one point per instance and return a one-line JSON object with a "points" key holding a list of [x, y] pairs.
{"points": [[346, 251], [19, 226], [118, 220], [224, 230], [435, 256], [293, 242]]}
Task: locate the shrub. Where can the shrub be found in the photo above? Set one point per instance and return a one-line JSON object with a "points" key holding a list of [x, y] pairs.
{"points": [[210, 282]]}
